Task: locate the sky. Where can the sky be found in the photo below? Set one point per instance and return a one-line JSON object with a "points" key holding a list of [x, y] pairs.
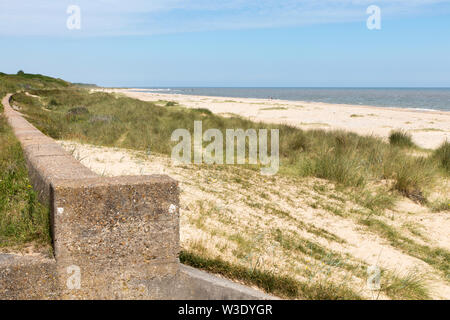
{"points": [[234, 43]]}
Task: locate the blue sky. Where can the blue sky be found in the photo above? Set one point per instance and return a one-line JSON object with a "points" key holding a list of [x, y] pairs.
{"points": [[230, 43]]}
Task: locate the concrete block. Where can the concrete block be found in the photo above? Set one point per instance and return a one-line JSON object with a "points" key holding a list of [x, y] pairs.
{"points": [[119, 232], [42, 170]]}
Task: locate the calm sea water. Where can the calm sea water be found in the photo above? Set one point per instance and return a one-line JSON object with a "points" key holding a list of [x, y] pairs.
{"points": [[416, 98]]}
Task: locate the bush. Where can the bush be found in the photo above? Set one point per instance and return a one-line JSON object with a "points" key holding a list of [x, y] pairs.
{"points": [[203, 111], [401, 139], [78, 111], [52, 104]]}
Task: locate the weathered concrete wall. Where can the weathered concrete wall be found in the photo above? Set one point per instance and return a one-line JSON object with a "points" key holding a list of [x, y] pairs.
{"points": [[27, 277], [46, 160], [126, 226], [121, 233]]}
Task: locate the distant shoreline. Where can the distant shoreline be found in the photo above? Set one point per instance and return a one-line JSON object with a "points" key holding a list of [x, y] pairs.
{"points": [[394, 108], [423, 99]]}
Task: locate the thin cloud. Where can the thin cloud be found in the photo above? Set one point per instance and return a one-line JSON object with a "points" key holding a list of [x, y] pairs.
{"points": [[139, 17]]}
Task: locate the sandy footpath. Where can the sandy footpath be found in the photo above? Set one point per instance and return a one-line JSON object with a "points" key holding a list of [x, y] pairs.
{"points": [[428, 128]]}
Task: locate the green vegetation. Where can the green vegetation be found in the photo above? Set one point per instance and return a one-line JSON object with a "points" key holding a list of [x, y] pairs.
{"points": [[401, 138], [410, 287], [440, 205], [375, 201], [436, 257], [24, 81], [412, 175], [282, 286], [171, 103], [23, 220], [442, 156]]}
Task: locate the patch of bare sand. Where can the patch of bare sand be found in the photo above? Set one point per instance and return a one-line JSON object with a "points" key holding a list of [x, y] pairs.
{"points": [[247, 219]]}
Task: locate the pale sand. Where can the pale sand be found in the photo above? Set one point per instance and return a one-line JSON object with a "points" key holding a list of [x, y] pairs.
{"points": [[229, 213], [428, 128]]}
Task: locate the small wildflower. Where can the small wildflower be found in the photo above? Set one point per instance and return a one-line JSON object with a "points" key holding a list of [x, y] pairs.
{"points": [[211, 180]]}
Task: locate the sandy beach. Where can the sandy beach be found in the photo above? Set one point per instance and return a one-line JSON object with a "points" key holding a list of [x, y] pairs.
{"points": [[428, 128]]}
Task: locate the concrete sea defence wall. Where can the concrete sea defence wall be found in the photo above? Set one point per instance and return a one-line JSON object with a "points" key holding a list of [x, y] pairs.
{"points": [[113, 238]]}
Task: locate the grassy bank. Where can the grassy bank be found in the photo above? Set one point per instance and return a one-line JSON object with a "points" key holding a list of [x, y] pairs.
{"points": [[23, 220]]}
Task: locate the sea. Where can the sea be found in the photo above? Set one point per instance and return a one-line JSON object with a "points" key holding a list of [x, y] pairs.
{"points": [[412, 98]]}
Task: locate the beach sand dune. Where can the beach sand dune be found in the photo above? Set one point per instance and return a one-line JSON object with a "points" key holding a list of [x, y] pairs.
{"points": [[218, 221], [429, 129]]}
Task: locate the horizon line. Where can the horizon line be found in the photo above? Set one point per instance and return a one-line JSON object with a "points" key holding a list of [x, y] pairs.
{"points": [[281, 87]]}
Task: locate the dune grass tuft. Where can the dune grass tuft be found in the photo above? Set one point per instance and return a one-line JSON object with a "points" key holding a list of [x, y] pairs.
{"points": [[413, 176], [409, 287], [401, 138], [442, 156], [440, 205]]}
